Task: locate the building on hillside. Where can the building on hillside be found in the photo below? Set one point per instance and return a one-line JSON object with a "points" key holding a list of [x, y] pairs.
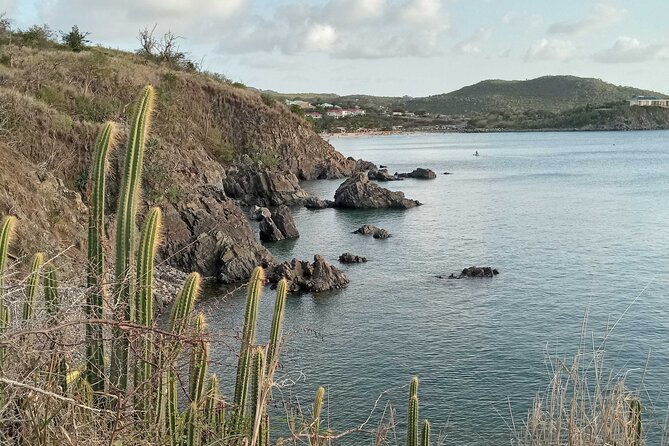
{"points": [[304, 105], [344, 112], [326, 105], [649, 101], [314, 115]]}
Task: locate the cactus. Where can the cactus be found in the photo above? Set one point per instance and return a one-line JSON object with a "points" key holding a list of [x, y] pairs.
{"points": [[32, 286], [125, 235], [184, 303], [425, 434], [316, 423], [212, 412], [412, 423], [198, 362], [258, 379], [277, 323], [144, 301], [51, 296], [6, 231], [248, 338], [95, 267]]}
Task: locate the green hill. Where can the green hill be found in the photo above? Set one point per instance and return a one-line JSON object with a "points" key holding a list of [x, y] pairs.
{"points": [[549, 93]]}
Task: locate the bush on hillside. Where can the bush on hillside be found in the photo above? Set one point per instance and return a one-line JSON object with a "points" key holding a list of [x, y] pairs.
{"points": [[75, 39]]}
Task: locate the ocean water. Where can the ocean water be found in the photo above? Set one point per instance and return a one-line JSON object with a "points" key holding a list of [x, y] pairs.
{"points": [[573, 222]]}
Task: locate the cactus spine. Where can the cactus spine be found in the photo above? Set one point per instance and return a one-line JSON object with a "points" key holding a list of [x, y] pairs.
{"points": [[412, 425], [32, 286], [6, 231], [144, 301], [95, 267], [248, 338], [125, 234], [425, 434], [316, 423]]}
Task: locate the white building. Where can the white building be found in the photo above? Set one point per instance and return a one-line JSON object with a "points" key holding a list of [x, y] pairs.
{"points": [[649, 101]]}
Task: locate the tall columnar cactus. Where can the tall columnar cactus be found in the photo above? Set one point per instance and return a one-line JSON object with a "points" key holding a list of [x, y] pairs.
{"points": [[32, 287], [214, 423], [412, 423], [198, 362], [167, 410], [95, 267], [248, 339], [257, 381], [425, 434], [144, 302], [125, 234], [316, 423], [6, 231], [277, 324]]}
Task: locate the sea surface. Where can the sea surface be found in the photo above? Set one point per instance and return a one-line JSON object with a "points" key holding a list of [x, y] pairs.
{"points": [[575, 223]]}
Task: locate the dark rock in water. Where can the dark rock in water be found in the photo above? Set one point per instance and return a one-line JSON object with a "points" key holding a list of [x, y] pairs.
{"points": [[420, 173], [308, 277], [448, 173], [474, 271], [269, 232], [283, 219], [362, 165], [347, 257], [372, 230], [279, 226], [382, 175], [381, 166], [358, 192], [316, 203]]}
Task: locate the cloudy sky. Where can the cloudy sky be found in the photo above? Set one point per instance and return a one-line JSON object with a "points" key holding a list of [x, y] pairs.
{"points": [[386, 47]]}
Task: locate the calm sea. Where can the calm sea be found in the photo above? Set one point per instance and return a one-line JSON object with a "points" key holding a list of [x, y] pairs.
{"points": [[573, 222]]}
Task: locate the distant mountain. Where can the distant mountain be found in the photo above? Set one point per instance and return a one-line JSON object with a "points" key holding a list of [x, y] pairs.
{"points": [[549, 93]]}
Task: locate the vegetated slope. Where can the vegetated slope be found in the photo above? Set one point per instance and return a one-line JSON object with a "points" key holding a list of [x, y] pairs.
{"points": [[51, 104], [549, 93]]}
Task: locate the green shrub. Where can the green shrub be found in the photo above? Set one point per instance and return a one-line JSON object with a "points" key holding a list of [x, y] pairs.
{"points": [[268, 99], [239, 85], [75, 39]]}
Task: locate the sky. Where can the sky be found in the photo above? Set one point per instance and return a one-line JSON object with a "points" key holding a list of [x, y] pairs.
{"points": [[385, 47]]}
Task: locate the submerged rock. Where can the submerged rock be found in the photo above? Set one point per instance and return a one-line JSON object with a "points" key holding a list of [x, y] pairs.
{"points": [[359, 192], [303, 276], [347, 257], [420, 173], [372, 230]]}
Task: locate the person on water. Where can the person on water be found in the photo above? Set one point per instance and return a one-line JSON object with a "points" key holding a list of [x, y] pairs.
{"points": [[476, 153]]}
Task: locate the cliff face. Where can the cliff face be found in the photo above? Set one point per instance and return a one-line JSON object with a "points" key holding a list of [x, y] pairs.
{"points": [[204, 132]]}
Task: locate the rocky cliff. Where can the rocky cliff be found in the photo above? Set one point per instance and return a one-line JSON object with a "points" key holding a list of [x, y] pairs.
{"points": [[207, 137]]}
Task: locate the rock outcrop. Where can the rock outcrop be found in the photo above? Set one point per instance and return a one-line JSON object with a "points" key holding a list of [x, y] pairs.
{"points": [[258, 213], [359, 192], [316, 203], [207, 232], [303, 276], [420, 173], [474, 271], [382, 175], [372, 230], [263, 187], [347, 257], [278, 226]]}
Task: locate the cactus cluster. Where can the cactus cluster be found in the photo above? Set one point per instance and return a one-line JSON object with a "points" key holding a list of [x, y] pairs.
{"points": [[149, 383]]}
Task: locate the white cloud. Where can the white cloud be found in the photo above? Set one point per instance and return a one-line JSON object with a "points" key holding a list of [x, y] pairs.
{"points": [[523, 18], [472, 44], [630, 50], [7, 6], [119, 21], [550, 49], [601, 16], [343, 29]]}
